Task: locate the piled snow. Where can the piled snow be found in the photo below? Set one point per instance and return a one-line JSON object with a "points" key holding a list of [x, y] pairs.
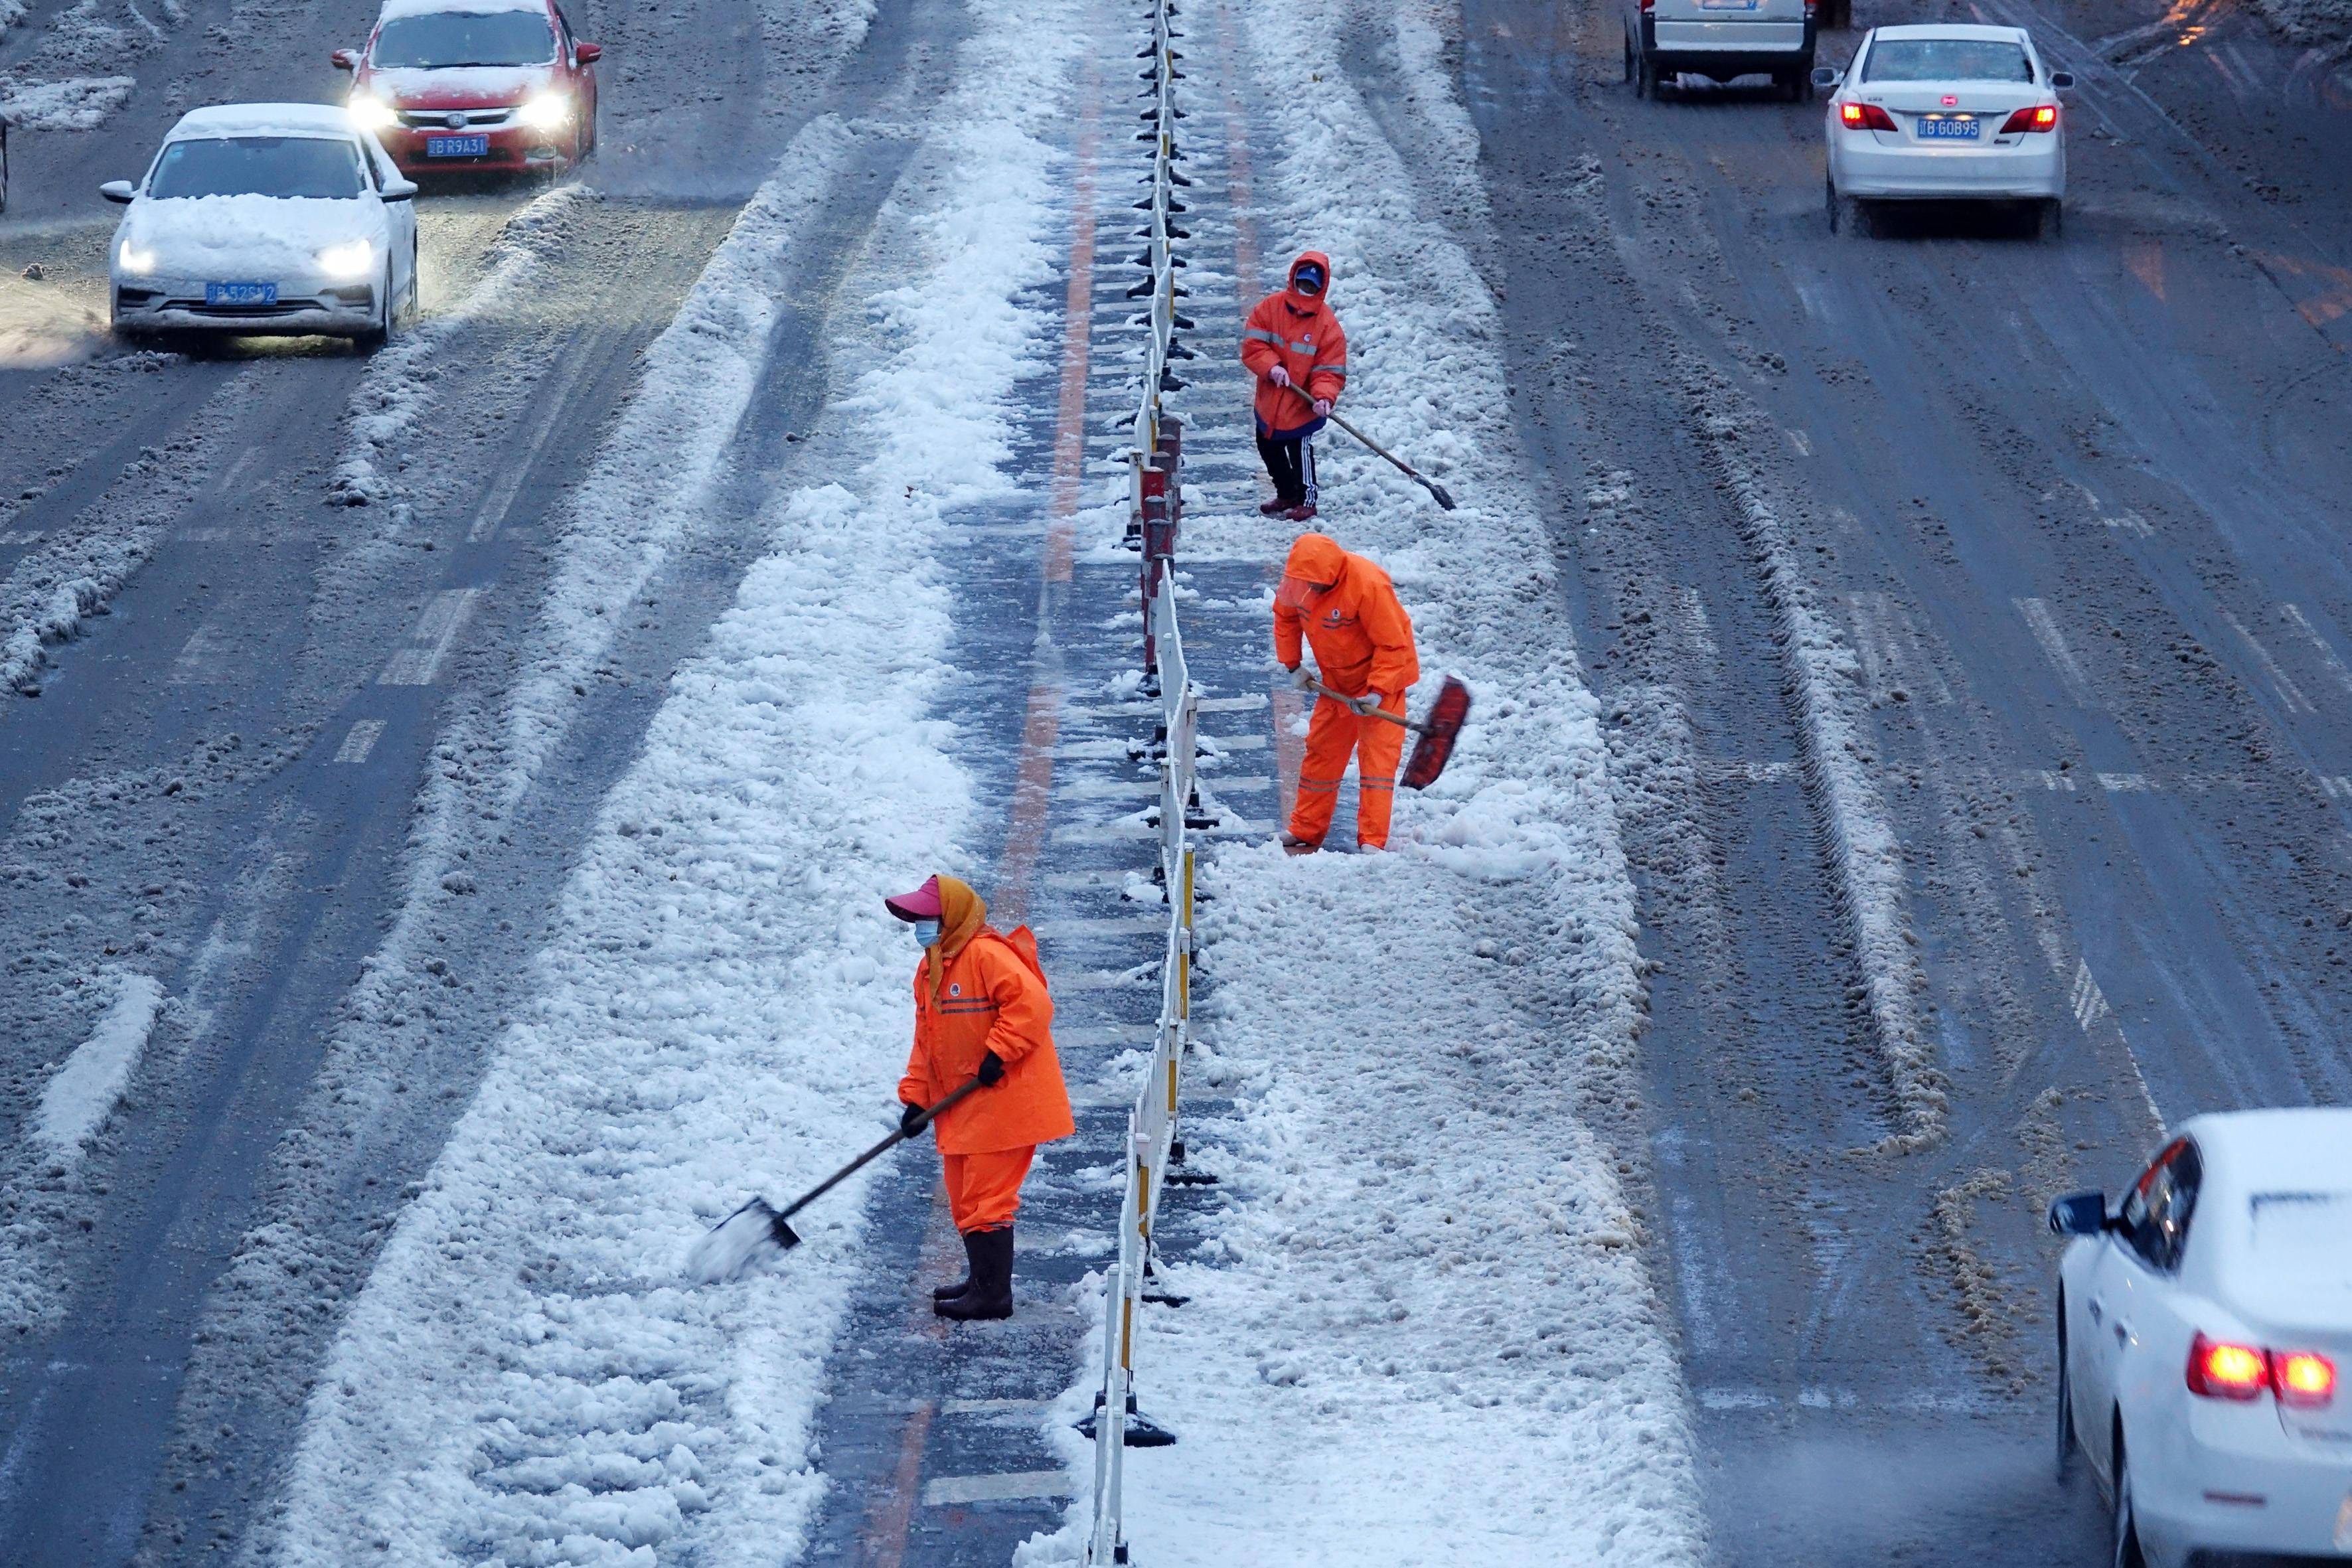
{"points": [[80, 103], [1840, 773], [663, 467], [2325, 22], [527, 1377], [1420, 1330], [78, 1098], [398, 381]]}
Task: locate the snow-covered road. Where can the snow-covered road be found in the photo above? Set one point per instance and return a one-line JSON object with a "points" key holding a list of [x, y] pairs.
{"points": [[442, 799]]}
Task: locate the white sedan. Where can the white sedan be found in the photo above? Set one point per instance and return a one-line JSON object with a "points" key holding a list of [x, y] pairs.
{"points": [[283, 218], [2203, 1327], [1938, 113]]}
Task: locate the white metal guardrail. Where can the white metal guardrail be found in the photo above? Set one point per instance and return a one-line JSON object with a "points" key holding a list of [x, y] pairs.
{"points": [[1157, 502]]}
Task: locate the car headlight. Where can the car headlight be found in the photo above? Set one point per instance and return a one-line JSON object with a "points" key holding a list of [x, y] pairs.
{"points": [[134, 259], [372, 113], [548, 112], [356, 259]]}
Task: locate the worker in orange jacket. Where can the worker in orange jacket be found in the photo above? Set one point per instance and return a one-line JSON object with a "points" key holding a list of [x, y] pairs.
{"points": [[1293, 344], [980, 1010], [1362, 638]]}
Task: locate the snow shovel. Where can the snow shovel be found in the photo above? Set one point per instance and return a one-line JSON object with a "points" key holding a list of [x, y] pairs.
{"points": [[1436, 491], [758, 1226], [1437, 732]]}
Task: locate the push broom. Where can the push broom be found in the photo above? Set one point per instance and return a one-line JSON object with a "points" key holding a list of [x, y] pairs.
{"points": [[1436, 734]]}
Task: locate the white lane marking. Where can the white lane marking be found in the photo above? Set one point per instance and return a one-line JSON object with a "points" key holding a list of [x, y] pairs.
{"points": [[1752, 773], [2288, 692], [2126, 784], [993, 1407], [360, 741], [1073, 927], [2128, 521], [236, 470], [2052, 778], [1816, 1397], [419, 663], [204, 658], [2088, 1002], [1800, 441], [2044, 628], [1099, 1037], [2336, 787], [2294, 617], [22, 536], [501, 496], [946, 1491], [209, 535], [1696, 628]]}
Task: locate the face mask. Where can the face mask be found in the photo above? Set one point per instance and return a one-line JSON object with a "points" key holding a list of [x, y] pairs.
{"points": [[926, 932]]}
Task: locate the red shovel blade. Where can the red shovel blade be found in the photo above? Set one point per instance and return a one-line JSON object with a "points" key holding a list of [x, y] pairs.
{"points": [[1435, 746]]}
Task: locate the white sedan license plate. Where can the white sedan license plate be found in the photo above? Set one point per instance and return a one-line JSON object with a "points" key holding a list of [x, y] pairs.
{"points": [[474, 146], [1948, 128], [240, 293], [1727, 4]]}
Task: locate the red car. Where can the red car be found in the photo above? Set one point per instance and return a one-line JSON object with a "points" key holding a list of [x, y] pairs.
{"points": [[498, 85]]}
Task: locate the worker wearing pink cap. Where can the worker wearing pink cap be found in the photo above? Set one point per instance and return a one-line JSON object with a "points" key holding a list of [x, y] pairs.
{"points": [[981, 1011]]}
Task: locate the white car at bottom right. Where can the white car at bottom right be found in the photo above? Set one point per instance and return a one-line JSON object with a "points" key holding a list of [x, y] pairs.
{"points": [[1946, 112], [2204, 1327]]}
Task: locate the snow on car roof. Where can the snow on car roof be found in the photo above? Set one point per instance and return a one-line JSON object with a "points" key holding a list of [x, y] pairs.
{"points": [[2269, 1149], [1951, 30], [265, 120], [433, 7]]}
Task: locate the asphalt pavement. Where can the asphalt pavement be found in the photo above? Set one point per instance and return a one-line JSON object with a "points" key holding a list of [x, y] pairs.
{"points": [[2075, 508], [216, 777]]}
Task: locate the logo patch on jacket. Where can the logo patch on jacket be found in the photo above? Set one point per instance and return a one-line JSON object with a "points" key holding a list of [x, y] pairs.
{"points": [[955, 988]]}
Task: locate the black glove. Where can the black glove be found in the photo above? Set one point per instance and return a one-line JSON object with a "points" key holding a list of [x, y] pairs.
{"points": [[911, 1121], [991, 1071]]}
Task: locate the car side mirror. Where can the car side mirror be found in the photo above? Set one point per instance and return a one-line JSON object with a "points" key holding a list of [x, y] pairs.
{"points": [[119, 191], [1827, 76], [345, 59], [399, 189], [587, 53], [2079, 1213], [2060, 80]]}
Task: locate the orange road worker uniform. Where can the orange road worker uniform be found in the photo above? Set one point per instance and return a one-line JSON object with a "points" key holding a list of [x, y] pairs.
{"points": [[1348, 613], [981, 1010], [1294, 347]]}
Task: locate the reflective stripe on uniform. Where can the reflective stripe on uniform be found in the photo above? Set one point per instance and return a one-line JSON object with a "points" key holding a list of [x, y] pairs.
{"points": [[1262, 335], [1337, 369]]}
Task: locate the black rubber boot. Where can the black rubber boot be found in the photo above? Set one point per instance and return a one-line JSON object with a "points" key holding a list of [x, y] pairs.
{"points": [[949, 1292], [991, 1295]]}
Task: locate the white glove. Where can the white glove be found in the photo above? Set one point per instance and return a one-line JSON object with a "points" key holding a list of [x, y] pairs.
{"points": [[1279, 377], [1366, 704], [1322, 407], [1299, 676]]}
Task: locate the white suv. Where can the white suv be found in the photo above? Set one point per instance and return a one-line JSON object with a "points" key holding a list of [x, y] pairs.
{"points": [[1720, 39]]}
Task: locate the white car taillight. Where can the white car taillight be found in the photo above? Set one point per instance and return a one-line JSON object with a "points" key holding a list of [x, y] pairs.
{"points": [[2221, 1370], [2303, 1378]]}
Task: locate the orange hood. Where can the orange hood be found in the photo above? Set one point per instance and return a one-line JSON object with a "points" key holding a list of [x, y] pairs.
{"points": [[1315, 558], [961, 914], [1290, 279]]}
